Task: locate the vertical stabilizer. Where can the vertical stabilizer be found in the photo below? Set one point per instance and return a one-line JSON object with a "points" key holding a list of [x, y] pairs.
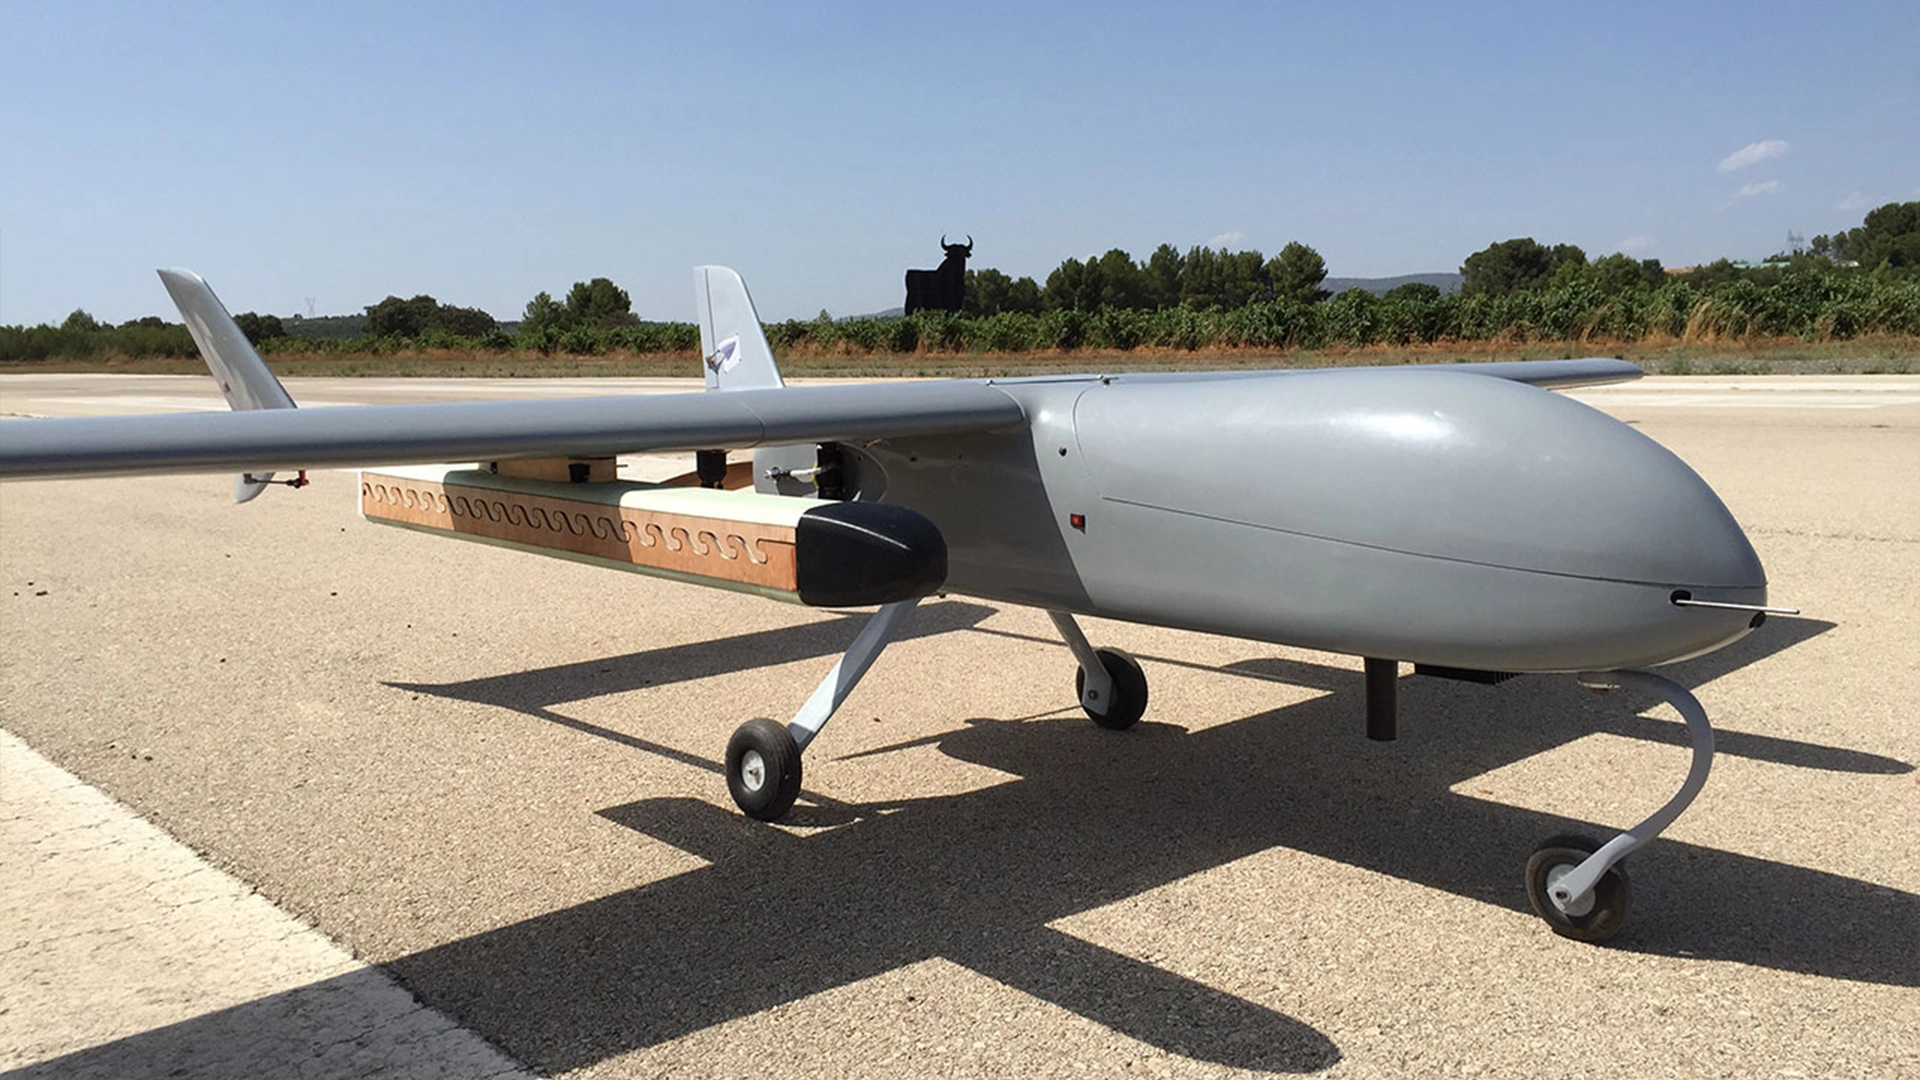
{"points": [[244, 379], [736, 353]]}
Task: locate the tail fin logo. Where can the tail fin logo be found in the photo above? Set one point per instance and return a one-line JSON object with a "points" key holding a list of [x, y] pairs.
{"points": [[726, 357]]}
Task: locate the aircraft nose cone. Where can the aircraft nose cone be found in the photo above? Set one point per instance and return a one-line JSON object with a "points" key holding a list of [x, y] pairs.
{"points": [[1425, 462], [1599, 499], [1449, 517], [1504, 474]]}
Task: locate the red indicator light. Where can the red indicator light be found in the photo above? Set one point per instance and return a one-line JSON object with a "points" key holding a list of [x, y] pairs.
{"points": [[1078, 521]]}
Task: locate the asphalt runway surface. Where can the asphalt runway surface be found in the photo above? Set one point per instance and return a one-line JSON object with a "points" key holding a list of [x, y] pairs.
{"points": [[496, 777]]}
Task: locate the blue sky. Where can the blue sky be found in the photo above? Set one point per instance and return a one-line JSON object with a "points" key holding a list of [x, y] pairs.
{"points": [[482, 152]]}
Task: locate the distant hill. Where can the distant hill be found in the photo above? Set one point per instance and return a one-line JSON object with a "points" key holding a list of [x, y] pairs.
{"points": [[1446, 283]]}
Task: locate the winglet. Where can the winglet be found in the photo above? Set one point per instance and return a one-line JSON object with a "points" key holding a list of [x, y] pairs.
{"points": [[736, 350], [244, 379]]}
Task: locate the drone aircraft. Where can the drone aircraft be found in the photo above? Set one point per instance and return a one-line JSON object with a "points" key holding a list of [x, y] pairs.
{"points": [[1460, 518]]}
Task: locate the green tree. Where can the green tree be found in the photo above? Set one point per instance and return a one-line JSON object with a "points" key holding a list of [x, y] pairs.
{"points": [[394, 317], [1201, 284], [1889, 238], [1162, 276], [259, 328], [1122, 283], [1516, 265], [974, 295], [1569, 266], [599, 304], [1296, 274], [1024, 296], [463, 321], [1618, 273], [1418, 292], [991, 292], [1073, 286], [1243, 278], [80, 321], [542, 314], [986, 292], [1718, 271]]}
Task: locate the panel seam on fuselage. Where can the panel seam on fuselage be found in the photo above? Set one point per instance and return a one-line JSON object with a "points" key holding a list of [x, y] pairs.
{"points": [[1423, 554]]}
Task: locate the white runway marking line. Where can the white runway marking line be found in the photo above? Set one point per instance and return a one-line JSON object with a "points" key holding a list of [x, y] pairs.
{"points": [[116, 934], [1795, 392], [1757, 401]]}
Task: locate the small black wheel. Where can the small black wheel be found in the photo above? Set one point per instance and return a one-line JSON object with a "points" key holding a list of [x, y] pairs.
{"points": [[763, 769], [1129, 691], [1603, 913]]}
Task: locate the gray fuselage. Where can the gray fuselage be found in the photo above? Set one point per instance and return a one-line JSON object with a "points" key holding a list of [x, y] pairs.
{"points": [[1415, 514]]}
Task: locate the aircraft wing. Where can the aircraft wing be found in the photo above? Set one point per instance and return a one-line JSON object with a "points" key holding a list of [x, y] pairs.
{"points": [[266, 440], [349, 436], [1554, 374]]}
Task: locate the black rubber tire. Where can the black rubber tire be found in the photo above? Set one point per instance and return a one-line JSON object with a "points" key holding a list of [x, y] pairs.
{"points": [[778, 772], [1612, 894], [1129, 690]]}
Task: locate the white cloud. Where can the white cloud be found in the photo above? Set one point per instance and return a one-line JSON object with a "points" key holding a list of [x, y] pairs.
{"points": [[1634, 245], [1753, 190], [1227, 239], [1853, 201], [1753, 154]]}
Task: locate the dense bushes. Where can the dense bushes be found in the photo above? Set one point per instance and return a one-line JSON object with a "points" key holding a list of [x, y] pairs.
{"points": [[1810, 302], [1809, 305], [73, 340]]}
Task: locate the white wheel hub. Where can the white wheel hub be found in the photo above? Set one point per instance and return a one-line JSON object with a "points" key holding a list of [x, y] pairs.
{"points": [[753, 770], [1575, 906]]}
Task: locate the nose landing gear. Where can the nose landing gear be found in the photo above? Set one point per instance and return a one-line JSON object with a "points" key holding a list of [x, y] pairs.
{"points": [[1577, 885], [1593, 916]]}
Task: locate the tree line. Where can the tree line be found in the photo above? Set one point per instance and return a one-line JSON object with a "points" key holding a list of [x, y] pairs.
{"points": [[1202, 279], [1862, 281], [1804, 302]]}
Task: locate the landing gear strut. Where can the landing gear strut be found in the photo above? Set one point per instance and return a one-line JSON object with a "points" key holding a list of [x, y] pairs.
{"points": [[763, 757], [1111, 686], [1577, 885]]}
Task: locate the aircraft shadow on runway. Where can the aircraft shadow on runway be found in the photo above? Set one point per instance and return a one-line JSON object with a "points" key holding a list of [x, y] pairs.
{"points": [[978, 878], [536, 691]]}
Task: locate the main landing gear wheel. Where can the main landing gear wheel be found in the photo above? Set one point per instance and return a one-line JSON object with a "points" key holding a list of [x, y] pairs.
{"points": [[1594, 917], [1129, 691], [763, 769]]}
